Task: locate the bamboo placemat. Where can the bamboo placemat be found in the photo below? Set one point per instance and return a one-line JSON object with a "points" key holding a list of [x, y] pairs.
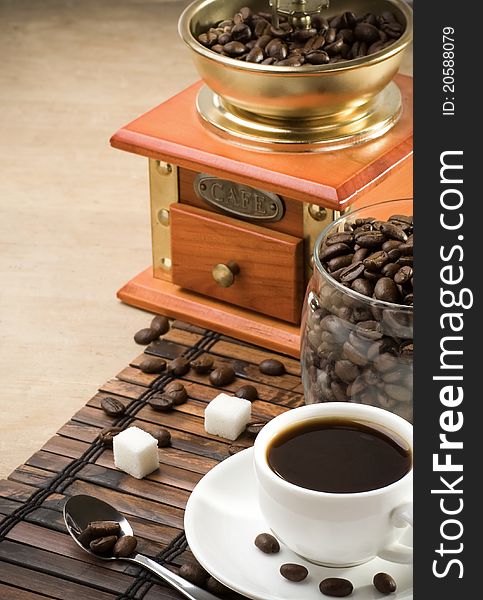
{"points": [[39, 560]]}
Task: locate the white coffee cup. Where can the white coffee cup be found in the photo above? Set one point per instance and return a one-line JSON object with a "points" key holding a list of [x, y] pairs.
{"points": [[336, 530]]}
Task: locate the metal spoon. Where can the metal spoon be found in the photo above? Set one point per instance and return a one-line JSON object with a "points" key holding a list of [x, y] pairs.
{"points": [[80, 510]]}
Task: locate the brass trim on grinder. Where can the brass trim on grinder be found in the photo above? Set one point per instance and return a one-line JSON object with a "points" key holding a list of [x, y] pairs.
{"points": [[224, 274], [163, 191]]}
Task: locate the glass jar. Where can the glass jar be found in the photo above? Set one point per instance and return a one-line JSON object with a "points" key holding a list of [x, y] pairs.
{"points": [[356, 348]]}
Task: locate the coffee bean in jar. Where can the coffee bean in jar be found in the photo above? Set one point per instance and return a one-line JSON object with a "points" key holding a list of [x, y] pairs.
{"points": [[357, 340], [252, 37]]}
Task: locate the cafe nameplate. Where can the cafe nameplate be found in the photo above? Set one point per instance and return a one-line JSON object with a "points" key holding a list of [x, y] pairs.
{"points": [[239, 200]]}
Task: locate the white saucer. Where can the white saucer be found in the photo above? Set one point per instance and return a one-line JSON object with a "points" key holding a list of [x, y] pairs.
{"points": [[222, 519]]}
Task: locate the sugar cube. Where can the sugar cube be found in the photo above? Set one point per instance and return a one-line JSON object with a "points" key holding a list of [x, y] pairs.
{"points": [[135, 452], [227, 416]]}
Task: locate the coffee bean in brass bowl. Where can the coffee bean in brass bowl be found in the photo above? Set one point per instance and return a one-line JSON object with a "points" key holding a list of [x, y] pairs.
{"points": [[278, 104]]}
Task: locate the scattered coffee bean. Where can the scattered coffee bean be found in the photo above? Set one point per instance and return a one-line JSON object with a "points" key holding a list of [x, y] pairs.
{"points": [[384, 583], [103, 545], [267, 543], [195, 574], [106, 435], [160, 403], [179, 366], [176, 392], [160, 325], [216, 587], [253, 429], [249, 392], [112, 406], [125, 546], [222, 376], [336, 587], [272, 366], [163, 436], [293, 572], [152, 365], [253, 38], [202, 365], [145, 336]]}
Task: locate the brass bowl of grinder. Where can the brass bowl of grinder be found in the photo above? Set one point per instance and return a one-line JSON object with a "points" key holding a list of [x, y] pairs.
{"points": [[309, 107]]}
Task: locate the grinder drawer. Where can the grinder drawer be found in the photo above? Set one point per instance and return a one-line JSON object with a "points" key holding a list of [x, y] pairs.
{"points": [[237, 262]]}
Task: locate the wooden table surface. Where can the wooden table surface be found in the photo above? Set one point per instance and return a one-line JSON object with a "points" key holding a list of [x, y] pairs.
{"points": [[74, 215], [39, 560]]}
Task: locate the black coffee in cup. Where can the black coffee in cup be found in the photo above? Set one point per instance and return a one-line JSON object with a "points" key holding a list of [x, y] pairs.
{"points": [[339, 456]]}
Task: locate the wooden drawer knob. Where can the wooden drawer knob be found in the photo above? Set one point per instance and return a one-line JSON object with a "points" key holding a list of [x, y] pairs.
{"points": [[224, 275]]}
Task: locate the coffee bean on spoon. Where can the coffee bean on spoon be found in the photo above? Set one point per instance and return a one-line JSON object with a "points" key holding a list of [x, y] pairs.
{"points": [[222, 376], [152, 365], [194, 573], [160, 325], [145, 336], [103, 545], [112, 406], [85, 537], [248, 392], [267, 543], [125, 546], [336, 587], [294, 572], [202, 365], [104, 528], [272, 366], [384, 583]]}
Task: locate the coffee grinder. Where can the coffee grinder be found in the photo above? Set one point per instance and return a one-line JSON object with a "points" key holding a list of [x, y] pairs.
{"points": [[249, 165]]}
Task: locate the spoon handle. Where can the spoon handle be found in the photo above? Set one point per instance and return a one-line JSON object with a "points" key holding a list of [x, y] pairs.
{"points": [[187, 589]]}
